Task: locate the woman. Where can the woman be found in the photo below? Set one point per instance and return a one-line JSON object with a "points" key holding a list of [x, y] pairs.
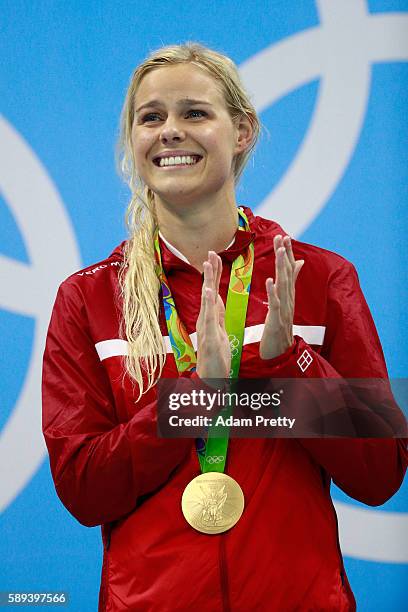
{"points": [[188, 129]]}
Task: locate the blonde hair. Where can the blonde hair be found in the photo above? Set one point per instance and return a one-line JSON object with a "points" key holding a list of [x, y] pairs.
{"points": [[139, 284]]}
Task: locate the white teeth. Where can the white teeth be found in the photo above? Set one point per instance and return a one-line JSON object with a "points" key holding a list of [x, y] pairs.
{"points": [[177, 160]]}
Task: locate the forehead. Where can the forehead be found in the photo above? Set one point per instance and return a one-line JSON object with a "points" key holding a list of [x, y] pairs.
{"points": [[178, 81]]}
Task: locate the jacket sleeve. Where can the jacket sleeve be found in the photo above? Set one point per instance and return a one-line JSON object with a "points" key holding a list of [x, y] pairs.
{"points": [[100, 466], [368, 469]]}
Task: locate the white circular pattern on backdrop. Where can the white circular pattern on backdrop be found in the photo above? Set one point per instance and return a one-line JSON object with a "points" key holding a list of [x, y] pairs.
{"points": [[29, 289]]}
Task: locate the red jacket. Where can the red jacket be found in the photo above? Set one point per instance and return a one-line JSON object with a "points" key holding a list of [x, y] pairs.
{"points": [[111, 469]]}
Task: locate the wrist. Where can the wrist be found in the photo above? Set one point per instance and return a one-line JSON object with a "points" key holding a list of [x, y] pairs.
{"points": [[275, 352], [215, 383]]}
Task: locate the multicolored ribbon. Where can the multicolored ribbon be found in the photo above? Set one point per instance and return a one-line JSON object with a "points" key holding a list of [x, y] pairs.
{"points": [[216, 445]]}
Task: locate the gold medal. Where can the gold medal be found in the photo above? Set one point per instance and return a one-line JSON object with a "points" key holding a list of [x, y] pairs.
{"points": [[212, 502]]}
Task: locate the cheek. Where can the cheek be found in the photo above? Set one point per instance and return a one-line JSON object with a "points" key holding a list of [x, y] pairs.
{"points": [[212, 138], [219, 144], [220, 156], [140, 144]]}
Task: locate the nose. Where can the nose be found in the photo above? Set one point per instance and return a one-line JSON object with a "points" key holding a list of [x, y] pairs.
{"points": [[171, 132]]}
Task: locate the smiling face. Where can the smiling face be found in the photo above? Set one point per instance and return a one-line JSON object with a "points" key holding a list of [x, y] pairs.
{"points": [[183, 138]]}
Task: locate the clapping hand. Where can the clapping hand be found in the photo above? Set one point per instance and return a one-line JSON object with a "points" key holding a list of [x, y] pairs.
{"points": [[277, 336], [213, 350]]}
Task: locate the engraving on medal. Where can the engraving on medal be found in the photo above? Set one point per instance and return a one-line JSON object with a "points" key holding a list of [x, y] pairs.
{"points": [[212, 502], [212, 505]]}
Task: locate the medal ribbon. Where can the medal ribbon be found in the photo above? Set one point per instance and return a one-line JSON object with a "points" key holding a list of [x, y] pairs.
{"points": [[212, 453]]}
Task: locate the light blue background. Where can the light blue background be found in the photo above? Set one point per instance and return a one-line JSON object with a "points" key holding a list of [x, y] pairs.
{"points": [[64, 73]]}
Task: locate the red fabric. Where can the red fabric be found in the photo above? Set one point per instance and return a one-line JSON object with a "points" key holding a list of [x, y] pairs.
{"points": [[111, 469]]}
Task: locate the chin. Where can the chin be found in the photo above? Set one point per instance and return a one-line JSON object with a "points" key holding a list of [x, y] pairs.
{"points": [[183, 195]]}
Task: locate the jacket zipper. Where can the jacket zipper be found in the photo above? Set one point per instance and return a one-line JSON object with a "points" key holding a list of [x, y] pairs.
{"points": [[226, 604]]}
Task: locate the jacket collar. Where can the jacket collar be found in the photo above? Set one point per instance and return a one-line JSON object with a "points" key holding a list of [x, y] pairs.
{"points": [[258, 225], [241, 241]]}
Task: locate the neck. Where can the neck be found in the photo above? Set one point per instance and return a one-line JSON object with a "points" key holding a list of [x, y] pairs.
{"points": [[195, 231]]}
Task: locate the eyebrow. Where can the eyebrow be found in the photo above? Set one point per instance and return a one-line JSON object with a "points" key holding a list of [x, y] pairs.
{"points": [[182, 102]]}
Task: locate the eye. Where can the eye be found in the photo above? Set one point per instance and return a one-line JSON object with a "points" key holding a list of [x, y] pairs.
{"points": [[151, 117], [197, 111], [148, 117]]}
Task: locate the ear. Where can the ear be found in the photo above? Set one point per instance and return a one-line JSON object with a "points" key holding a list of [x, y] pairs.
{"points": [[244, 134]]}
